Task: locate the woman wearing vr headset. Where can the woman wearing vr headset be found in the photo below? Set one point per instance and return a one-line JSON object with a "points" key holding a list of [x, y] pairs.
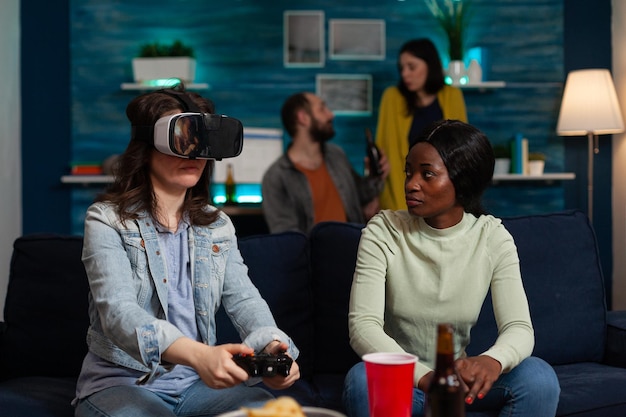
{"points": [[160, 260]]}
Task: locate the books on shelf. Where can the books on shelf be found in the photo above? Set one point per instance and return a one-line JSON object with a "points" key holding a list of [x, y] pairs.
{"points": [[519, 155], [86, 169]]}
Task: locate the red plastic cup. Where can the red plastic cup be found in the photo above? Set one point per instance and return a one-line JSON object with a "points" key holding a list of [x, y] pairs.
{"points": [[390, 383]]}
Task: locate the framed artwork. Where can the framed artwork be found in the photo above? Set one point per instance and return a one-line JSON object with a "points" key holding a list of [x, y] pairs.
{"points": [[303, 42], [357, 39], [346, 94]]}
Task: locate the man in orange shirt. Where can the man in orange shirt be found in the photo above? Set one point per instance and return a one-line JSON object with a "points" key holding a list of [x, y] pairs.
{"points": [[314, 180]]}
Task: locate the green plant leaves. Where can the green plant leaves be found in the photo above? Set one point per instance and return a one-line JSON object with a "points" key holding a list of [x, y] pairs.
{"points": [[156, 49]]}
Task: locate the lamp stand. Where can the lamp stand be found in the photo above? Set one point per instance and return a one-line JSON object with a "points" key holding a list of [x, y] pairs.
{"points": [[590, 152]]}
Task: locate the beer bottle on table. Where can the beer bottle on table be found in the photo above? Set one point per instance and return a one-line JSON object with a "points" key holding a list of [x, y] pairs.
{"points": [[229, 186], [445, 394]]}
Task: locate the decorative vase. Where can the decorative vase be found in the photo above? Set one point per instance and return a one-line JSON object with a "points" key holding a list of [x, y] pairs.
{"points": [[502, 166], [146, 69], [474, 72], [456, 72]]}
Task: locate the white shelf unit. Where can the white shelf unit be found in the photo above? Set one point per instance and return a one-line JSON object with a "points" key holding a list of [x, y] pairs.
{"points": [[548, 176], [138, 86], [87, 179], [482, 86]]}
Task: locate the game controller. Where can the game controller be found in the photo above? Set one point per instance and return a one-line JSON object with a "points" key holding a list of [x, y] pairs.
{"points": [[264, 364]]}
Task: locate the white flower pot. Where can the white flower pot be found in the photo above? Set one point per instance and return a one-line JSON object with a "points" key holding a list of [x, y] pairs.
{"points": [[146, 69], [536, 167]]}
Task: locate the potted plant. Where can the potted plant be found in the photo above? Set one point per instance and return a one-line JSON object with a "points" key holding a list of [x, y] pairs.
{"points": [[502, 154], [158, 61], [453, 18], [536, 163]]}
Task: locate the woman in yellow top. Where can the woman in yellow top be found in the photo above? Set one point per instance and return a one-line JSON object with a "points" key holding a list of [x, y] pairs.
{"points": [[420, 98]]}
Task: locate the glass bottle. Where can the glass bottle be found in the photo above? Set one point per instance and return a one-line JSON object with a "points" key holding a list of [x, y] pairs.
{"points": [[373, 154], [230, 186], [445, 394]]}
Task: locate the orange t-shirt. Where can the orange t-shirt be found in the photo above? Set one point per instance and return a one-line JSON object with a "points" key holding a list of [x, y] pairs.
{"points": [[327, 204]]}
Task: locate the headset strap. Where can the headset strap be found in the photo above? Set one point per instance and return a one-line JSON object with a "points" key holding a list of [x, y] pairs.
{"points": [[182, 97], [144, 133]]}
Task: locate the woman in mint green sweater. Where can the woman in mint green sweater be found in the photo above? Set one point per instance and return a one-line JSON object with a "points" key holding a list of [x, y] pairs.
{"points": [[434, 263]]}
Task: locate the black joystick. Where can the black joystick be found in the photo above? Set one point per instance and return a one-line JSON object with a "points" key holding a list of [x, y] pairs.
{"points": [[264, 364]]}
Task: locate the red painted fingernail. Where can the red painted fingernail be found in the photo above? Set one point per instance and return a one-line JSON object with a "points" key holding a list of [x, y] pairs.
{"points": [[481, 395], [469, 400]]}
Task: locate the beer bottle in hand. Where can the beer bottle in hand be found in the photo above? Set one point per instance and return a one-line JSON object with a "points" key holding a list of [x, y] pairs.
{"points": [[445, 394], [373, 154]]}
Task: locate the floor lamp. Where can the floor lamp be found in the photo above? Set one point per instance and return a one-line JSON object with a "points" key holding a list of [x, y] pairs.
{"points": [[589, 107]]}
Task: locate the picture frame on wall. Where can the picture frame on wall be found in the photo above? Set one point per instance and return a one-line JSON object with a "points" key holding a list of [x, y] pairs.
{"points": [[303, 40], [357, 39], [346, 94]]}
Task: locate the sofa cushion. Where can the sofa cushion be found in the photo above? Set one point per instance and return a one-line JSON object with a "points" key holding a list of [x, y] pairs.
{"points": [[615, 350], [46, 308], [593, 388], [279, 267], [333, 257], [556, 250], [38, 396]]}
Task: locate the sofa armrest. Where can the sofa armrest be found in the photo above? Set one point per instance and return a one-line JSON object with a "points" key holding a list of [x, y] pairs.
{"points": [[615, 350]]}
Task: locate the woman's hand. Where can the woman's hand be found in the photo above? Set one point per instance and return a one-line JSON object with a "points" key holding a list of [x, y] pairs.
{"points": [[424, 382], [478, 373], [218, 369], [214, 364], [279, 381], [383, 165]]}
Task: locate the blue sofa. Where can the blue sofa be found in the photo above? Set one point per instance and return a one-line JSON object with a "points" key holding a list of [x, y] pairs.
{"points": [[306, 280]]}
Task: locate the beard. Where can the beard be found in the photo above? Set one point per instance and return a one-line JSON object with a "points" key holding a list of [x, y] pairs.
{"points": [[322, 133]]}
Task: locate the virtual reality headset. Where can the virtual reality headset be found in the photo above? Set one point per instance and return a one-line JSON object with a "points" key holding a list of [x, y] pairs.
{"points": [[193, 134], [198, 135]]}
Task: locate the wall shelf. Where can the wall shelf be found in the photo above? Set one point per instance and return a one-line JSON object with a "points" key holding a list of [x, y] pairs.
{"points": [[143, 87], [546, 177], [482, 86], [235, 210], [86, 179]]}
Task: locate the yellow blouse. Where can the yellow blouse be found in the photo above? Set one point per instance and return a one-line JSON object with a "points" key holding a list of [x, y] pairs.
{"points": [[392, 136]]}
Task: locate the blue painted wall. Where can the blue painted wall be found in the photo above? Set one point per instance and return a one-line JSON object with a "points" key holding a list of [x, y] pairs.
{"points": [[89, 44], [46, 126], [587, 40], [239, 48]]}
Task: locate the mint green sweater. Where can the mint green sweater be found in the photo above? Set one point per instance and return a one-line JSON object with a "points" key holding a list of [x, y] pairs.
{"points": [[409, 277]]}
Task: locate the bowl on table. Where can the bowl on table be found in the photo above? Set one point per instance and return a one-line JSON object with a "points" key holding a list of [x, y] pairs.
{"points": [[308, 411]]}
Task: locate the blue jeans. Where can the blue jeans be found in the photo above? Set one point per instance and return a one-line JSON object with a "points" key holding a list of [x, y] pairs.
{"points": [[530, 389], [198, 400]]}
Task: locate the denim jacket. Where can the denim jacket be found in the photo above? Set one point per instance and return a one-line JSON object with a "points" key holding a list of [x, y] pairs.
{"points": [[128, 290]]}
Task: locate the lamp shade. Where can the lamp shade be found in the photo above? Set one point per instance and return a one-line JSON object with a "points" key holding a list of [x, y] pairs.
{"points": [[589, 105]]}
